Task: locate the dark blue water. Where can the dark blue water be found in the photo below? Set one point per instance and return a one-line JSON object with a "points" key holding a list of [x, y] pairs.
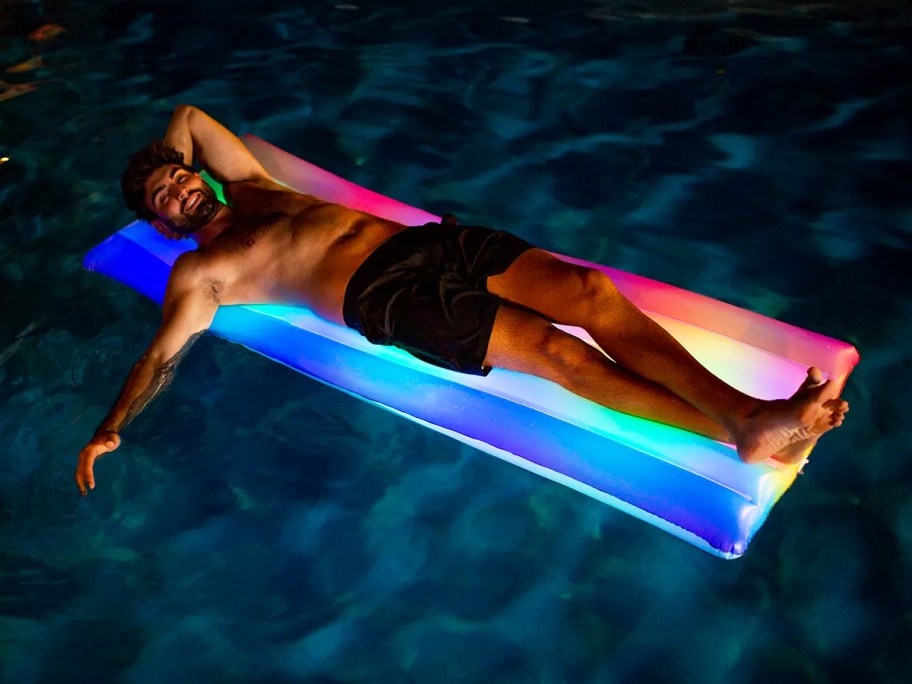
{"points": [[257, 526]]}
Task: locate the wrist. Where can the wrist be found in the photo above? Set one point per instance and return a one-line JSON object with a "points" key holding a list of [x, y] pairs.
{"points": [[104, 431]]}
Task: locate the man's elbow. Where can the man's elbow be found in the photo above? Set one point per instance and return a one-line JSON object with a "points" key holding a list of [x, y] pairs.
{"points": [[154, 358], [185, 114]]}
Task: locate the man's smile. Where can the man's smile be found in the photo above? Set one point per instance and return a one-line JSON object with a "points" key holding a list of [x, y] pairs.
{"points": [[192, 201]]}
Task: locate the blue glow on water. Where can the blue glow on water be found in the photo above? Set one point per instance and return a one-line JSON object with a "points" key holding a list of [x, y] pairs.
{"points": [[260, 526]]}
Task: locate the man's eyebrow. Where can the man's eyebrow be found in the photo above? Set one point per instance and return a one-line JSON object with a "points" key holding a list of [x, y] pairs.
{"points": [[174, 169]]}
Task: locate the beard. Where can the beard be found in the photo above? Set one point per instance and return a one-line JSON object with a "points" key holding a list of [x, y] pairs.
{"points": [[201, 214]]}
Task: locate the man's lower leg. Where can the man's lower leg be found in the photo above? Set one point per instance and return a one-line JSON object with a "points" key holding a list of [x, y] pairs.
{"points": [[643, 347]]}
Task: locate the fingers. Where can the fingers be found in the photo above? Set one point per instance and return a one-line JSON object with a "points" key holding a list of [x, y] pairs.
{"points": [[166, 231], [88, 467], [80, 478], [82, 469], [85, 474], [85, 468]]}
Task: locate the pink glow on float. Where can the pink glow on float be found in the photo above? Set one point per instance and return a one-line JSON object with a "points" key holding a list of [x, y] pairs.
{"points": [[688, 485]]}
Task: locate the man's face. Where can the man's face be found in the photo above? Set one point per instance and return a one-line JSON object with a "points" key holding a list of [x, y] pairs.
{"points": [[180, 199]]}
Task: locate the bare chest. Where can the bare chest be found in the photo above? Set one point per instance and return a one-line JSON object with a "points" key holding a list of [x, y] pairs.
{"points": [[304, 259]]}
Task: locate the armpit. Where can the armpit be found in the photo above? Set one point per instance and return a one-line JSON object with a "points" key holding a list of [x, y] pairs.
{"points": [[213, 289]]}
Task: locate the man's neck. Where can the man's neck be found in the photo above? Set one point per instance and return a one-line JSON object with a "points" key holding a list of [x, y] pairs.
{"points": [[215, 227]]}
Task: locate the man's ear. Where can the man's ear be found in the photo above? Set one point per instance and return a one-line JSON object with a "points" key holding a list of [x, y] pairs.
{"points": [[165, 230]]}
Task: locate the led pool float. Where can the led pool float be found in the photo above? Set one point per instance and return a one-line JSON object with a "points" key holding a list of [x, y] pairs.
{"points": [[688, 485]]}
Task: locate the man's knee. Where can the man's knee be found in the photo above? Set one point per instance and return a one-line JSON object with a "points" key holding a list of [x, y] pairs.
{"points": [[596, 284], [597, 296], [563, 355]]}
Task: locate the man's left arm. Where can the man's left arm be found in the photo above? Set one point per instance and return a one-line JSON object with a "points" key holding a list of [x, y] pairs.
{"points": [[204, 140]]}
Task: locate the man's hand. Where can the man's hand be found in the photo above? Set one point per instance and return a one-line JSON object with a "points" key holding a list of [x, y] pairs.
{"points": [[167, 232], [101, 444]]}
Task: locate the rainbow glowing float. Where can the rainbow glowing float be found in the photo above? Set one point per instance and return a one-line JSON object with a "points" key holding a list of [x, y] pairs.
{"points": [[688, 485]]}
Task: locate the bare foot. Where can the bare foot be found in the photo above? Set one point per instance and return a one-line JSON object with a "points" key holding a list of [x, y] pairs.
{"points": [[787, 427], [797, 451]]}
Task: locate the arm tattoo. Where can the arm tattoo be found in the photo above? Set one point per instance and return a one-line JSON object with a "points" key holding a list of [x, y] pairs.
{"points": [[160, 379]]}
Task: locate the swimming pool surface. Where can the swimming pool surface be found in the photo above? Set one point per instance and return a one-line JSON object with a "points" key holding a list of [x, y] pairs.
{"points": [[258, 526]]}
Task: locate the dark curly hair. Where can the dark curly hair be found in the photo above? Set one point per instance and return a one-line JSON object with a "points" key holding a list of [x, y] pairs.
{"points": [[141, 165]]}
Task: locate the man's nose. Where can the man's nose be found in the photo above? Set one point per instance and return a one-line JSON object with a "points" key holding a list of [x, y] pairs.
{"points": [[178, 191]]}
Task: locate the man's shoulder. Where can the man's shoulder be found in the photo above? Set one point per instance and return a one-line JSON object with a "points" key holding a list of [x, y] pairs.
{"points": [[190, 269], [195, 277]]}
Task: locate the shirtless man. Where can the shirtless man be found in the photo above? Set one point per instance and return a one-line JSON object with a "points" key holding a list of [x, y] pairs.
{"points": [[465, 298]]}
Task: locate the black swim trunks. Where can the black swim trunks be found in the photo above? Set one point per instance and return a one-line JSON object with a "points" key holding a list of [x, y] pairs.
{"points": [[424, 290]]}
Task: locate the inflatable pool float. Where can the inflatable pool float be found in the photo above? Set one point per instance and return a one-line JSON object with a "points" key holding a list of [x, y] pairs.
{"points": [[688, 485]]}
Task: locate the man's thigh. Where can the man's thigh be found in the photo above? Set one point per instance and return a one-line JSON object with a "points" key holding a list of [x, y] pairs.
{"points": [[556, 290]]}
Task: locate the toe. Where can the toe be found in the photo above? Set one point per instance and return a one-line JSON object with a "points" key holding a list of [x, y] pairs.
{"points": [[813, 379], [820, 390]]}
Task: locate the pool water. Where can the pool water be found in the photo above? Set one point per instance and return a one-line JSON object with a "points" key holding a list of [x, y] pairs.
{"points": [[258, 526]]}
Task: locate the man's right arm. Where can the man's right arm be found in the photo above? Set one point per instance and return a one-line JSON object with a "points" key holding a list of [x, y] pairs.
{"points": [[187, 313]]}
